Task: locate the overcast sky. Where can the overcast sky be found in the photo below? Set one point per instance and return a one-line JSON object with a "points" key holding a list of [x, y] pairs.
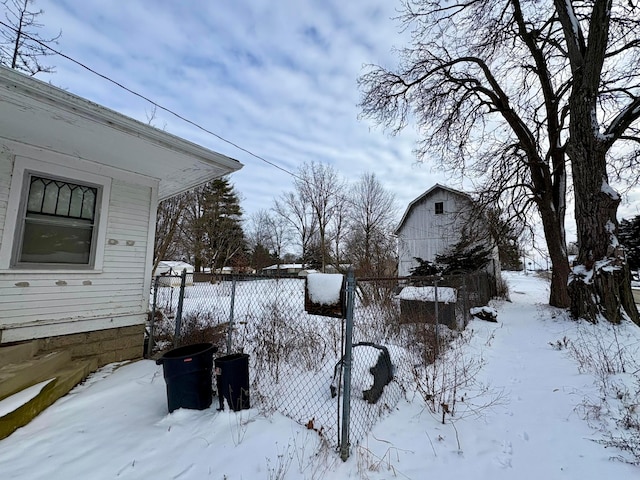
{"points": [[277, 78]]}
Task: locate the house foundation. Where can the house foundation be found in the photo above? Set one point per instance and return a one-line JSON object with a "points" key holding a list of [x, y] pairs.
{"points": [[105, 346]]}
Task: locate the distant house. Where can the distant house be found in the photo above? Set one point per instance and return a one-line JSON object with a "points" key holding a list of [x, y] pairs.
{"points": [[298, 269], [431, 224], [79, 189], [169, 273], [283, 269]]}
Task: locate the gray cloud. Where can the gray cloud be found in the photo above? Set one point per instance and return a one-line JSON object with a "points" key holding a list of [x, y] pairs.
{"points": [[277, 78]]}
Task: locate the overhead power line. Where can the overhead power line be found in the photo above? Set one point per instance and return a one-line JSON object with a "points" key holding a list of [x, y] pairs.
{"points": [[147, 99], [344, 198]]}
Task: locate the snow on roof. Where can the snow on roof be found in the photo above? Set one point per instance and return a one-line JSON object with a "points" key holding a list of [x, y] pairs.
{"points": [[428, 294], [283, 266], [177, 266], [324, 288]]}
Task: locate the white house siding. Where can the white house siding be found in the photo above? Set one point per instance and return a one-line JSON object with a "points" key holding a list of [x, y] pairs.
{"points": [[6, 169], [425, 234], [58, 303]]}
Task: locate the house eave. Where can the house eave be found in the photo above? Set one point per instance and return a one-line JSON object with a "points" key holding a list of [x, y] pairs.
{"points": [[36, 113]]}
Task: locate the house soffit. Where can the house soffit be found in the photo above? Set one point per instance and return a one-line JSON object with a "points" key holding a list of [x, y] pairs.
{"points": [[35, 113]]}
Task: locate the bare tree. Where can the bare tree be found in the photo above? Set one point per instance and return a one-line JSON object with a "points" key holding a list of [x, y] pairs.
{"points": [[257, 229], [507, 91], [339, 230], [168, 219], [295, 209], [320, 184], [602, 40], [372, 217], [21, 46], [270, 231]]}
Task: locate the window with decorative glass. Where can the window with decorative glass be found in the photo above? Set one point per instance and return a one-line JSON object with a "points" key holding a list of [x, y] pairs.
{"points": [[59, 219]]}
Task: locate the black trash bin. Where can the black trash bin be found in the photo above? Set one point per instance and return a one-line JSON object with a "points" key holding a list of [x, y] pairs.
{"points": [[188, 375], [232, 380]]}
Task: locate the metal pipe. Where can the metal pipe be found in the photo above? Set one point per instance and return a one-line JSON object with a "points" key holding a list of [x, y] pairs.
{"points": [[183, 282], [346, 402]]}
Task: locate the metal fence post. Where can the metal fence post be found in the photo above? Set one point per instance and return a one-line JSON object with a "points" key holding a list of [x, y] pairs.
{"points": [[233, 301], [346, 364], [465, 302], [183, 281], [435, 295], [156, 281]]}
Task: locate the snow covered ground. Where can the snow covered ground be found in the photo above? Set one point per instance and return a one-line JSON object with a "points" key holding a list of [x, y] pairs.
{"points": [[535, 411]]}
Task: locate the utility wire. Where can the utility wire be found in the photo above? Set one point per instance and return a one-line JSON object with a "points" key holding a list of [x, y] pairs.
{"points": [[155, 104], [344, 198]]}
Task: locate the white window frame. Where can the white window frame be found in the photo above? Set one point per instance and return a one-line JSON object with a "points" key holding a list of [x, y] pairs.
{"points": [[12, 236]]}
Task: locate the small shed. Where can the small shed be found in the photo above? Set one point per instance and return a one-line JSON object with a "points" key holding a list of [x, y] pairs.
{"points": [[170, 271], [418, 305]]}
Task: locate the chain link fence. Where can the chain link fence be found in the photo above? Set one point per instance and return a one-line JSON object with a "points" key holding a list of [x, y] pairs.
{"points": [[297, 359]]}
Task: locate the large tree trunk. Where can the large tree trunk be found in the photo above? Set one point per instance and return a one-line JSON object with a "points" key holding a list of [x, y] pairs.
{"points": [[600, 285], [556, 245]]}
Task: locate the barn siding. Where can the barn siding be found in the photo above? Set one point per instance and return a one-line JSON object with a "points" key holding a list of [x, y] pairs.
{"points": [[425, 234], [114, 297]]}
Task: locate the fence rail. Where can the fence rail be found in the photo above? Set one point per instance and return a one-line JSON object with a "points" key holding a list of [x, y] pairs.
{"points": [[298, 359]]}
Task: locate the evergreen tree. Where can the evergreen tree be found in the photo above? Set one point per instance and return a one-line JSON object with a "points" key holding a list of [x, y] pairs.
{"points": [[261, 257], [313, 257], [214, 225], [425, 268], [464, 257]]}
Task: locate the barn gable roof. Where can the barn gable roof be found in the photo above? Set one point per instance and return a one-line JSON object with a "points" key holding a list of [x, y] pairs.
{"points": [[426, 194]]}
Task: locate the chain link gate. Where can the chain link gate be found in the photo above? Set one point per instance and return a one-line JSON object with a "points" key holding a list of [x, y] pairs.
{"points": [[335, 376]]}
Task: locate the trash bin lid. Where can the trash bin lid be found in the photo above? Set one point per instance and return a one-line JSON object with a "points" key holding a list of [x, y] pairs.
{"points": [[187, 351]]}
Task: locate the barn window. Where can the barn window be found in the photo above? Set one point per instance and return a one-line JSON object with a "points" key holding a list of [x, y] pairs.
{"points": [[57, 222], [439, 208]]}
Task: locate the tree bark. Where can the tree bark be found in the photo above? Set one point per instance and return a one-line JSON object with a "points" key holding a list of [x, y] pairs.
{"points": [[600, 282], [600, 285], [556, 245]]}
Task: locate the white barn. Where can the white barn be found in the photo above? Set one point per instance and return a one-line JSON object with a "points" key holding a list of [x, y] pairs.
{"points": [[430, 225], [79, 189]]}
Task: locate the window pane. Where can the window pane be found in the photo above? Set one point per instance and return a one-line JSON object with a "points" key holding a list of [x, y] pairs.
{"points": [[36, 195], [50, 198], [88, 203], [75, 205], [64, 199], [58, 223], [46, 240], [60, 198]]}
